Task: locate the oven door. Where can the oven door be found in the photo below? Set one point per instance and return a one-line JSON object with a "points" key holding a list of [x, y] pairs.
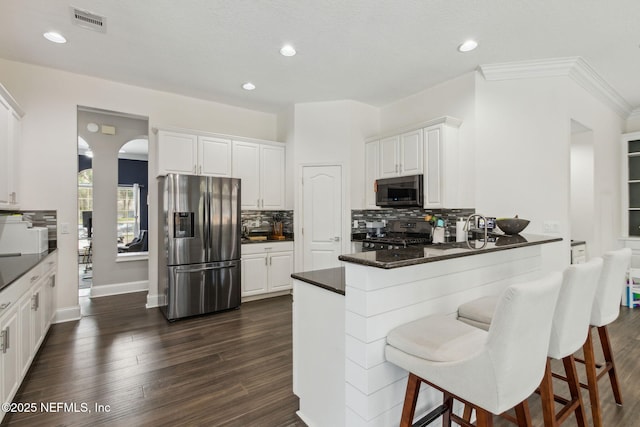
{"points": [[400, 192]]}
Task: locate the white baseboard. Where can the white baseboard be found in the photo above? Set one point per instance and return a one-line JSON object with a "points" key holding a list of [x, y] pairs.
{"points": [[154, 300], [265, 295], [119, 288], [67, 314]]}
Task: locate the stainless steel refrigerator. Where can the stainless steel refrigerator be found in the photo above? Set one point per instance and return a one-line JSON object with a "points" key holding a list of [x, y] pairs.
{"points": [[199, 260]]}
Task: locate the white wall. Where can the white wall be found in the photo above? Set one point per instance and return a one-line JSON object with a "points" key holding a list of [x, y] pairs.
{"points": [[524, 129], [633, 122], [455, 98], [332, 133], [50, 99]]}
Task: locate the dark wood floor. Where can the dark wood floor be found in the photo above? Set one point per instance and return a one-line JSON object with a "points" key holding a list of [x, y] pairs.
{"points": [[230, 369]]}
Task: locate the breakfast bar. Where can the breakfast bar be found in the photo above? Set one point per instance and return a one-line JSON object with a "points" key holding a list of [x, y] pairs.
{"points": [[341, 339]]}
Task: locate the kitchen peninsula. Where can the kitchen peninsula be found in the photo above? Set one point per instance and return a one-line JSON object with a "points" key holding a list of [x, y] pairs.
{"points": [[340, 372]]}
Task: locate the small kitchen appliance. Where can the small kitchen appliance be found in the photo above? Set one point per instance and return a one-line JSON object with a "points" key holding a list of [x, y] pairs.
{"points": [[403, 191]]}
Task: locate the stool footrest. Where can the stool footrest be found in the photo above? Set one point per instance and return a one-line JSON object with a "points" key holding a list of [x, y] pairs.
{"points": [[431, 416]]}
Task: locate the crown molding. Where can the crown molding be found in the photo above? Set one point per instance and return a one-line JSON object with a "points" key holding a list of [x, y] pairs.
{"points": [[575, 68], [635, 113]]}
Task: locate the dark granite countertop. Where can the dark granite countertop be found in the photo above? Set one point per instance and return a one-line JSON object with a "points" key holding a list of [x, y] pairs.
{"points": [[250, 242], [394, 258], [578, 242], [14, 267], [331, 279]]}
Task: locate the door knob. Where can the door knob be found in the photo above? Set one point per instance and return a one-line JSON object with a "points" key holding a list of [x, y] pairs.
{"points": [[337, 238]]}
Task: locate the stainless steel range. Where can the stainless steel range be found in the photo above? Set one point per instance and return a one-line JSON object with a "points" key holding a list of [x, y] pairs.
{"points": [[400, 234]]}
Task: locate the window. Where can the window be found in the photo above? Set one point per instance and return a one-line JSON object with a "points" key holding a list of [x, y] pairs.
{"points": [[85, 203], [128, 213]]}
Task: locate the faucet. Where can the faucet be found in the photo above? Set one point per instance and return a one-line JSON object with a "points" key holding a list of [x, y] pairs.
{"points": [[466, 227]]}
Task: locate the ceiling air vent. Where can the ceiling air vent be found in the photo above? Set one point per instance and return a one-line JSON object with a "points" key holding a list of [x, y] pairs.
{"points": [[91, 21]]}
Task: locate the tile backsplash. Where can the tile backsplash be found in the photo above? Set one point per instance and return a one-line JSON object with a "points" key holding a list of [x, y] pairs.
{"points": [[261, 222], [362, 216]]}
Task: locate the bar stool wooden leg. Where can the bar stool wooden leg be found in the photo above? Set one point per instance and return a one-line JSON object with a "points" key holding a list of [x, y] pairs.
{"points": [[410, 400], [484, 418], [546, 395], [592, 379], [574, 389], [448, 402], [523, 415], [610, 365], [466, 413]]}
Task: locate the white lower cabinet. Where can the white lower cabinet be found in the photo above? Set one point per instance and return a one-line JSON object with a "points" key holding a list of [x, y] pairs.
{"points": [[26, 311], [266, 268]]}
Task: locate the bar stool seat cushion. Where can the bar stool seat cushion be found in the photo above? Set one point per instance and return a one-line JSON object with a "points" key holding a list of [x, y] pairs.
{"points": [[438, 338], [479, 312]]}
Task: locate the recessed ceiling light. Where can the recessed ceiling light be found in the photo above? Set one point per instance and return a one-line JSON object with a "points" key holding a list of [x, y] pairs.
{"points": [[287, 50], [468, 46], [52, 36], [248, 86]]}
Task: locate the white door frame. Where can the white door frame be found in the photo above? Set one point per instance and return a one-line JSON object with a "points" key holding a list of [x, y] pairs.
{"points": [[298, 213]]}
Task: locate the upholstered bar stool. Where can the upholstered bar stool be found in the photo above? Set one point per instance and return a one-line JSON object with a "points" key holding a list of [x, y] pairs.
{"points": [[491, 371], [606, 308], [568, 334]]}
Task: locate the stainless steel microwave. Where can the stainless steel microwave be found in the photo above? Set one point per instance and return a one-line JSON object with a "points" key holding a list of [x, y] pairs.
{"points": [[403, 191]]}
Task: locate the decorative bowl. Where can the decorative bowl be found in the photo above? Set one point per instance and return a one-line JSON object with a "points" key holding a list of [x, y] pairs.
{"points": [[512, 226]]}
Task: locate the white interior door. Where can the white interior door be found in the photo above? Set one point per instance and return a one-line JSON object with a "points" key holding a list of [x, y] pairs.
{"points": [[321, 216]]}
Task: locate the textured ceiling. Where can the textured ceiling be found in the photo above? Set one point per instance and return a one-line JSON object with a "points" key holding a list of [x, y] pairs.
{"points": [[373, 51]]}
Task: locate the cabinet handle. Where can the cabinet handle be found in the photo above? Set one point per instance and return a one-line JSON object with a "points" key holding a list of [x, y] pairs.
{"points": [[270, 260], [5, 340], [5, 305], [34, 278], [38, 301], [266, 261], [200, 169], [53, 281], [258, 203]]}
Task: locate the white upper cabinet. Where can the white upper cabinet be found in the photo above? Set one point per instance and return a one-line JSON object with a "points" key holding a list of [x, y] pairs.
{"points": [[389, 156], [10, 138], [272, 170], [442, 178], [259, 164], [246, 166], [215, 156], [371, 172], [261, 167], [193, 154], [177, 153], [401, 154]]}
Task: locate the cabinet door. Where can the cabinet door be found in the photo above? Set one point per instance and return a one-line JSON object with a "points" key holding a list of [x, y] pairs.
{"points": [[9, 362], [411, 153], [37, 318], [214, 156], [26, 339], [254, 274], [389, 164], [280, 269], [5, 153], [371, 172], [272, 171], [177, 153], [246, 166], [433, 161]]}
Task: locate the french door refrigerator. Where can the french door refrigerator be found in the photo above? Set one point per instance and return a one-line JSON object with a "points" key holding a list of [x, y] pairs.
{"points": [[199, 257]]}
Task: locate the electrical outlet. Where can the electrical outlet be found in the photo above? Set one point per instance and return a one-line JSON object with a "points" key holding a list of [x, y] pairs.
{"points": [[64, 228]]}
